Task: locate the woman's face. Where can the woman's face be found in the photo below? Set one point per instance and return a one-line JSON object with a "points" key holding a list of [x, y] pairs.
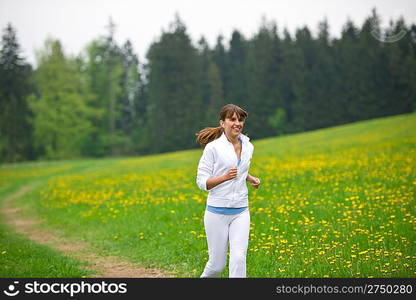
{"points": [[232, 126]]}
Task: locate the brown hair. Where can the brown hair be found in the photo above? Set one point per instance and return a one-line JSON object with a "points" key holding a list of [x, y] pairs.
{"points": [[209, 134]]}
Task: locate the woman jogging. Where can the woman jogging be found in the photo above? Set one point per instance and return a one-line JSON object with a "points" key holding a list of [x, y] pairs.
{"points": [[223, 171]]}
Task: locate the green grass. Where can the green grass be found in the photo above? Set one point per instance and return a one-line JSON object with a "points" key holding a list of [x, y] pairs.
{"points": [[20, 257], [336, 202]]}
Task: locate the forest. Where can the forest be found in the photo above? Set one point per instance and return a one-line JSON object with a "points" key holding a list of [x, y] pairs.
{"points": [[105, 102]]}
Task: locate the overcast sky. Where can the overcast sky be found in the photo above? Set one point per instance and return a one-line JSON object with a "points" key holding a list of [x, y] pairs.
{"points": [[77, 22]]}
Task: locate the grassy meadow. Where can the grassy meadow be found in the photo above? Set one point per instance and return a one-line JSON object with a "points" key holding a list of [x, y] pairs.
{"points": [[335, 202]]}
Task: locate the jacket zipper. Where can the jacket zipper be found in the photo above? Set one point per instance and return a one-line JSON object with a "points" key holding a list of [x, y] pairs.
{"points": [[241, 155]]}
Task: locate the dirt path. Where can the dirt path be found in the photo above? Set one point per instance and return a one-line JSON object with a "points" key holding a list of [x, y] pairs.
{"points": [[107, 266]]}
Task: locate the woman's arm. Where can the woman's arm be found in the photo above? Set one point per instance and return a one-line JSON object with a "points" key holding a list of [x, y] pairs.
{"points": [[214, 181], [205, 168], [255, 182]]}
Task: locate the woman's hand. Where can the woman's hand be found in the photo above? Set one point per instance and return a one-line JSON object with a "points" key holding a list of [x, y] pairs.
{"points": [[254, 181], [231, 174], [214, 181]]}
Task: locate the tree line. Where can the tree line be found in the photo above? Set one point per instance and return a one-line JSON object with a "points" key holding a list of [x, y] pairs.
{"points": [[105, 102]]}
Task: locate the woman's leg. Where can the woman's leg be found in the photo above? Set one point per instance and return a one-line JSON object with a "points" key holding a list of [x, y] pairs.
{"points": [[216, 229], [238, 235]]}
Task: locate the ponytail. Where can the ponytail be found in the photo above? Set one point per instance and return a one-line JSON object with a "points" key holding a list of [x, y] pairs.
{"points": [[208, 134]]}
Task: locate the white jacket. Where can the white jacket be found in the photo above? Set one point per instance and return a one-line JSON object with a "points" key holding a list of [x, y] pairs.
{"points": [[218, 157]]}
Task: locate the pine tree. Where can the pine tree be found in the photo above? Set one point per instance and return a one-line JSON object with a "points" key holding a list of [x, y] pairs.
{"points": [[15, 85], [105, 69], [219, 57], [216, 97], [400, 77], [130, 118], [263, 64], [304, 57], [211, 84], [323, 80], [174, 91], [347, 66], [237, 92], [371, 71], [204, 60]]}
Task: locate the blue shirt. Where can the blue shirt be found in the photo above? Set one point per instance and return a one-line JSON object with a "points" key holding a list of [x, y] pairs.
{"points": [[226, 210]]}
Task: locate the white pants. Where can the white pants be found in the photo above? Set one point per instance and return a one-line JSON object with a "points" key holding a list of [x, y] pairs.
{"points": [[221, 229]]}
